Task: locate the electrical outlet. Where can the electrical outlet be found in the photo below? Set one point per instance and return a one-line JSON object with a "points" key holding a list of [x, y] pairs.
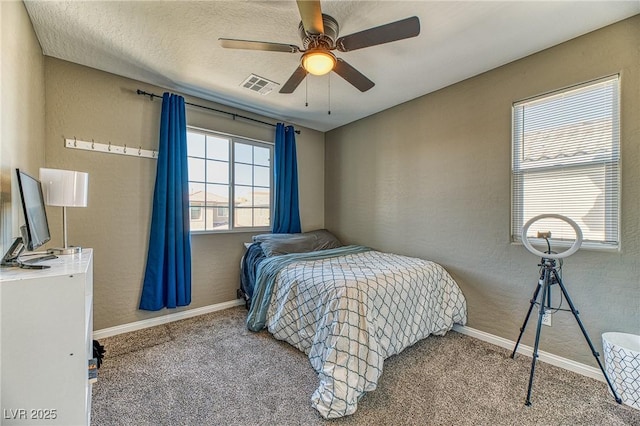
{"points": [[546, 318]]}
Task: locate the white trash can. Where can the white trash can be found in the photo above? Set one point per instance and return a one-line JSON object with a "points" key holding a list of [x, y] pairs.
{"points": [[622, 363]]}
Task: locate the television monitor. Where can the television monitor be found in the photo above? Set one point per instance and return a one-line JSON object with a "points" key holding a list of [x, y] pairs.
{"points": [[36, 227]]}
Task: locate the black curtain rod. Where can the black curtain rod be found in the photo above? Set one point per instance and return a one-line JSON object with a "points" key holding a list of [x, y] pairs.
{"points": [[233, 115]]}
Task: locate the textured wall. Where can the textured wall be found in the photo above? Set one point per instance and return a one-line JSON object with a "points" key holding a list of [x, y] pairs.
{"points": [[431, 178], [21, 112], [91, 104]]}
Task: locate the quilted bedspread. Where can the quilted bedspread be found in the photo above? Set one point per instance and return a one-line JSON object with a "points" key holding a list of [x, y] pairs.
{"points": [[349, 309]]}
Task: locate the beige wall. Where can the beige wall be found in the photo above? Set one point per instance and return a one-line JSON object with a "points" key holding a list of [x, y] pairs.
{"points": [[90, 104], [21, 112], [431, 178]]}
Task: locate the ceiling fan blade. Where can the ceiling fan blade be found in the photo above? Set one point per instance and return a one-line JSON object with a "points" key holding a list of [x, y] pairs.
{"points": [[311, 15], [399, 30], [231, 43], [353, 76], [294, 81]]}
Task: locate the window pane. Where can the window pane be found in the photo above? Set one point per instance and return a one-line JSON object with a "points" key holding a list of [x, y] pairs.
{"points": [[261, 217], [243, 196], [261, 197], [196, 169], [243, 153], [217, 172], [217, 148], [196, 193], [197, 219], [196, 212], [555, 192], [564, 146], [196, 201], [244, 175], [261, 176], [553, 130], [215, 221], [261, 155], [243, 217], [195, 144], [218, 195]]}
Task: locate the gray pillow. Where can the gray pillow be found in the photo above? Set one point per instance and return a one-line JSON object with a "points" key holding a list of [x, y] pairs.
{"points": [[324, 240], [292, 244], [277, 244], [268, 237]]}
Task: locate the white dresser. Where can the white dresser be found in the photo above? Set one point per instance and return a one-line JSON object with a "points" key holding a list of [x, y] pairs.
{"points": [[46, 321]]}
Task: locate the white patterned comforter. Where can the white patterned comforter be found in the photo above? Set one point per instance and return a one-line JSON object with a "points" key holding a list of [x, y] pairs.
{"points": [[349, 313]]}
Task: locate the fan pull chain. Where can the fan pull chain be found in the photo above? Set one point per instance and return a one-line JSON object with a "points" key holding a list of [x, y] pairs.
{"points": [[306, 92], [329, 111]]}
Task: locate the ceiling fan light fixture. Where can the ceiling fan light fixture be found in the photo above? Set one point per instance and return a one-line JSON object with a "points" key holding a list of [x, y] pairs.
{"points": [[318, 62]]}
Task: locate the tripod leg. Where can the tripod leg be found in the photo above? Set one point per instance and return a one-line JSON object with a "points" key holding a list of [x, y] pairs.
{"points": [[526, 318], [545, 289], [576, 315]]}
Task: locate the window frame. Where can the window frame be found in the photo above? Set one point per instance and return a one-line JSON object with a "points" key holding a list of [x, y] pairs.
{"points": [[615, 219], [232, 140]]}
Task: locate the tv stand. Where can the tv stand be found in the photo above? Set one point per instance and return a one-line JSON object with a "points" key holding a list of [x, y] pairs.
{"points": [[46, 342]]}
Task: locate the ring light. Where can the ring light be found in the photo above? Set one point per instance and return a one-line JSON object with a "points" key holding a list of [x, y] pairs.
{"points": [[548, 277], [574, 248]]}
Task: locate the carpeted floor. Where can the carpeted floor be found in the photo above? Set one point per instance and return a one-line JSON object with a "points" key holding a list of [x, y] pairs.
{"points": [[210, 370]]}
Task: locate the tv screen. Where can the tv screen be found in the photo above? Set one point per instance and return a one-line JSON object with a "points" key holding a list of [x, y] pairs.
{"points": [[35, 216]]}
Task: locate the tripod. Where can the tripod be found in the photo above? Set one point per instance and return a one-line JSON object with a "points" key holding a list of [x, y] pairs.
{"points": [[548, 277]]}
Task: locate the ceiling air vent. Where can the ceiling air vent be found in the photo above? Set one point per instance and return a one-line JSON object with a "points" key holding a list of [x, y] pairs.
{"points": [[259, 84]]}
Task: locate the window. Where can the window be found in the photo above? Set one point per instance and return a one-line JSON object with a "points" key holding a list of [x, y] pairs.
{"points": [[566, 159], [196, 212], [229, 182]]}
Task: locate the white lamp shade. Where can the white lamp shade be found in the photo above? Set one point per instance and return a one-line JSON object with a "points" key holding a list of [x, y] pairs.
{"points": [[64, 188]]}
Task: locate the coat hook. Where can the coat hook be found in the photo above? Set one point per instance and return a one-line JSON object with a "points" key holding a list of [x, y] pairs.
{"points": [[75, 142], [125, 148], [92, 144], [139, 150], [109, 147]]}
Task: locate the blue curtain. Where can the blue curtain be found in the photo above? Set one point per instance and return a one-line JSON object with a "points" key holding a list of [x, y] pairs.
{"points": [[286, 213], [167, 278]]}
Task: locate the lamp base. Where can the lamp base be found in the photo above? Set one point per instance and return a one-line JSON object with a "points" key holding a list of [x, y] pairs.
{"points": [[64, 250]]}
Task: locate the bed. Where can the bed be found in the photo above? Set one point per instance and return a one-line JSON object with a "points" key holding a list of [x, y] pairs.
{"points": [[348, 308]]}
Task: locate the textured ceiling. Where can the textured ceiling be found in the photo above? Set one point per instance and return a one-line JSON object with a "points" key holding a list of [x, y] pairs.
{"points": [[174, 44]]}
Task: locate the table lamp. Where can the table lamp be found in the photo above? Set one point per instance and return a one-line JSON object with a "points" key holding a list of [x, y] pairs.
{"points": [[64, 188]]}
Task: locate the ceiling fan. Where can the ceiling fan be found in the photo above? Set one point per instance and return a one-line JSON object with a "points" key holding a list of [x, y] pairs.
{"points": [[319, 34]]}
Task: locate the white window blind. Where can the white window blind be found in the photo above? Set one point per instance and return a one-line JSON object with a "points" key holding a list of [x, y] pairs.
{"points": [[566, 160]]}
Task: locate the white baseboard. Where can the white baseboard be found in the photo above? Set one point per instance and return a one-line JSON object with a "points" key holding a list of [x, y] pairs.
{"points": [[164, 319], [547, 357]]}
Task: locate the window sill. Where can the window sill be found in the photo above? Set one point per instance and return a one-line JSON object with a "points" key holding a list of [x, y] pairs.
{"points": [[234, 231], [562, 245]]}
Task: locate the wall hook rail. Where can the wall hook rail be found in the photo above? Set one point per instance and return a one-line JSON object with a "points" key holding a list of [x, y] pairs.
{"points": [[109, 148]]}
